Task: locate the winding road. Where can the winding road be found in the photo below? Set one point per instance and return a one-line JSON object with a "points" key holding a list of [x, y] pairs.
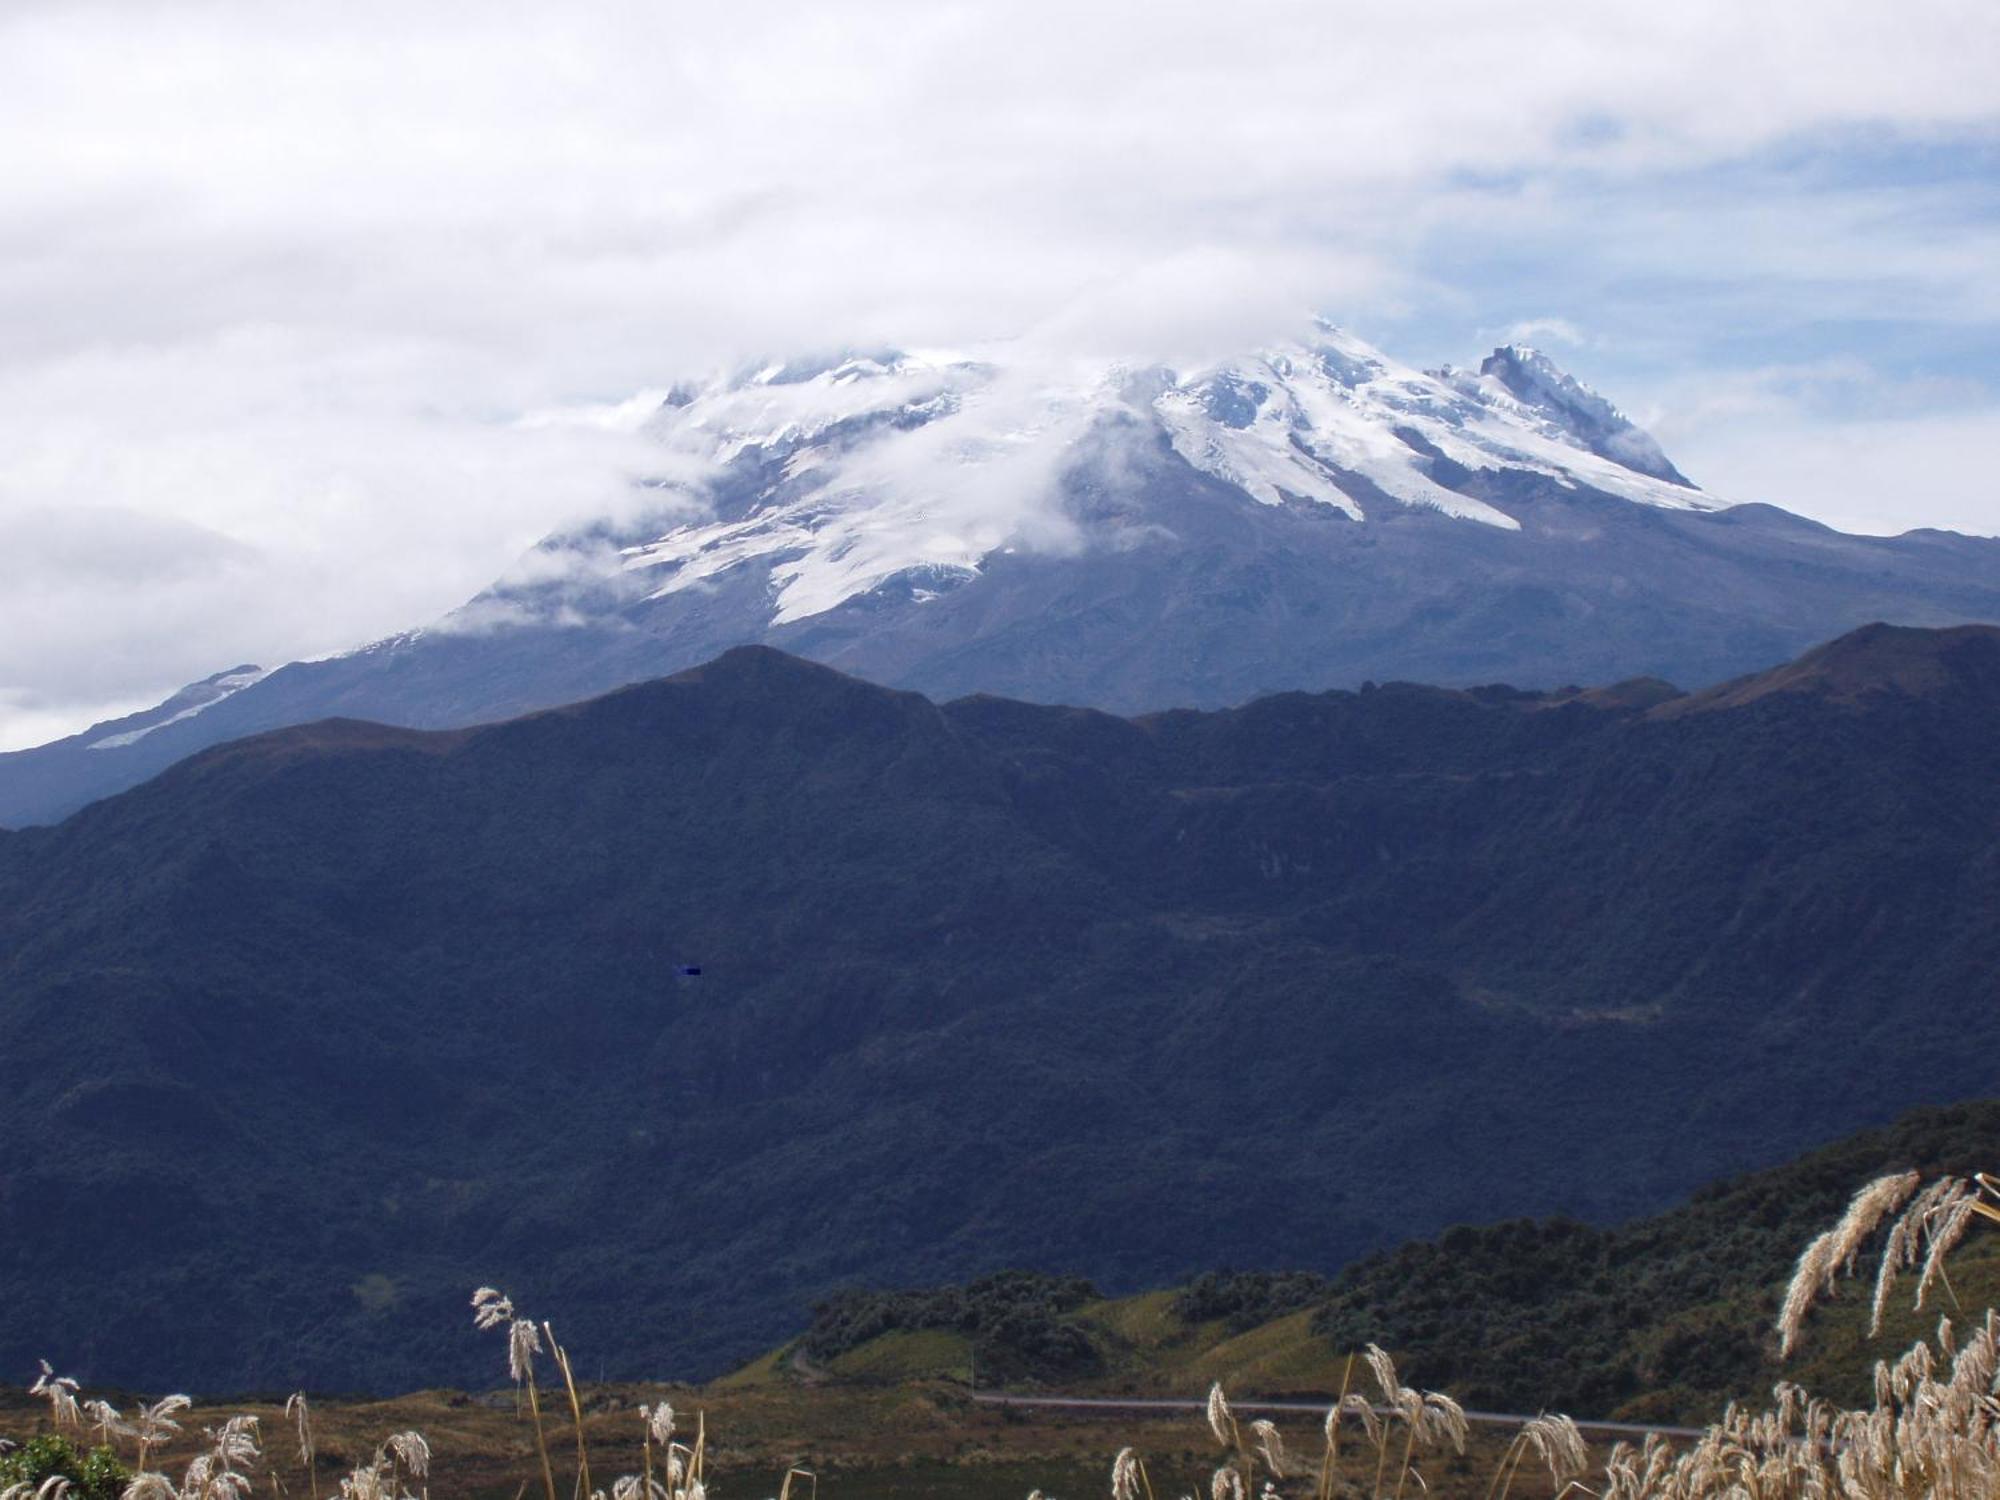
{"points": [[1164, 1403]]}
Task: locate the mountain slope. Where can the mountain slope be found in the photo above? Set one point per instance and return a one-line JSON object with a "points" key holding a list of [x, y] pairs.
{"points": [[1312, 516], [1532, 378], [1666, 1318], [320, 1028]]}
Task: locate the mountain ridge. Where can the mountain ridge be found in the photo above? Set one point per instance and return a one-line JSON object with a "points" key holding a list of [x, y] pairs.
{"points": [[1877, 661], [1875, 665], [983, 983], [1312, 516]]}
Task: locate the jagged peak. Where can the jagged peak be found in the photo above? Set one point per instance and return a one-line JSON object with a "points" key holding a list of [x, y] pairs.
{"points": [[1538, 382]]}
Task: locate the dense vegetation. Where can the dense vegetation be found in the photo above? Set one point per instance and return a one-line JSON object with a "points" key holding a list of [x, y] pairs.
{"points": [[316, 1030], [1241, 1300], [1667, 1318], [1670, 1314], [1016, 1321]]}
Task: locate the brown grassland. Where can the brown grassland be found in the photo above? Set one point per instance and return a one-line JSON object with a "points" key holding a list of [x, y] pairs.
{"points": [[886, 1429], [896, 1442]]}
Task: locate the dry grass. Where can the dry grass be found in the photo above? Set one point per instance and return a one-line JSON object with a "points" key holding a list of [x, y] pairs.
{"points": [[924, 1441], [1932, 1431]]}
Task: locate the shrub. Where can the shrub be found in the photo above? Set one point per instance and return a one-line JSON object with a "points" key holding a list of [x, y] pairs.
{"points": [[1017, 1320], [95, 1475], [1243, 1299]]}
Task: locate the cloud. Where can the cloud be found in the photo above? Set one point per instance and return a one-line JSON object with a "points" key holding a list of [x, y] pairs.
{"points": [[1544, 331], [169, 511], [1837, 440], [1203, 303], [294, 275], [1863, 475]]}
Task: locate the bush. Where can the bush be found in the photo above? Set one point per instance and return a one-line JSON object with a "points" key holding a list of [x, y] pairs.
{"points": [[1016, 1320], [96, 1475], [1242, 1300]]}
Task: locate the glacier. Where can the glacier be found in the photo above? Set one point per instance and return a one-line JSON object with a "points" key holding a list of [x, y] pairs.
{"points": [[882, 464]]}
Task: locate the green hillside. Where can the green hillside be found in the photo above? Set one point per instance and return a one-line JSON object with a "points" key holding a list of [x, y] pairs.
{"points": [[1666, 1318]]}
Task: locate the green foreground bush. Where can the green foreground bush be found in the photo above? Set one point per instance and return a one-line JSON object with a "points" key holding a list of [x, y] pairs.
{"points": [[95, 1475]]}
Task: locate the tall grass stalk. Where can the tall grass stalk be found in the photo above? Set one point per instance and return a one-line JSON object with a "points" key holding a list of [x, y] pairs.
{"points": [[561, 1357], [1333, 1419], [656, 1424], [60, 1392], [491, 1309], [301, 1415], [155, 1424], [541, 1437], [1229, 1433], [1925, 1234]]}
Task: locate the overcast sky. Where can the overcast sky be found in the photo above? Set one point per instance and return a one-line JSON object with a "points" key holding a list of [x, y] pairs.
{"points": [[278, 283]]}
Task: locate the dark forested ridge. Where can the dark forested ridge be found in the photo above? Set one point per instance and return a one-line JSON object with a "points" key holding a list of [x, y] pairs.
{"points": [[1669, 1316], [1664, 1318], [317, 1030]]}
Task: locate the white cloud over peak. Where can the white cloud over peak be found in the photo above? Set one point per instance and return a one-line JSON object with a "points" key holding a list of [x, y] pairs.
{"points": [[284, 283], [1555, 331]]}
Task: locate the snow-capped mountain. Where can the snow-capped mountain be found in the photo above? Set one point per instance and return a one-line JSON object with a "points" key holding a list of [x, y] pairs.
{"points": [[849, 474], [1583, 416], [1128, 536]]}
